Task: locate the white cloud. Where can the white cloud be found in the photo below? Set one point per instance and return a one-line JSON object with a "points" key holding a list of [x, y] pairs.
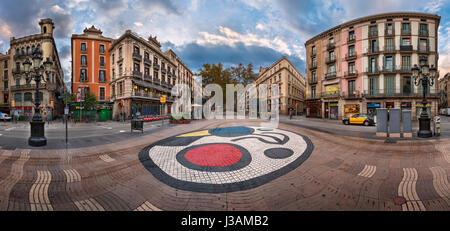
{"points": [[138, 24], [260, 26], [434, 6], [232, 38]]}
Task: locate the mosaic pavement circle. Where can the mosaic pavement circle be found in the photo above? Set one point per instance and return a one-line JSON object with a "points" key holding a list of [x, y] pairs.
{"points": [[225, 159]]}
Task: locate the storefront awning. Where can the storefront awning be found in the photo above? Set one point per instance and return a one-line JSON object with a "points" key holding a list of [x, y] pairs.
{"points": [[149, 85]]}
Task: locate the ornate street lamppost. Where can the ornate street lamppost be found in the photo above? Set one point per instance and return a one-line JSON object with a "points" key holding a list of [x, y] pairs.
{"points": [[424, 75], [36, 70]]}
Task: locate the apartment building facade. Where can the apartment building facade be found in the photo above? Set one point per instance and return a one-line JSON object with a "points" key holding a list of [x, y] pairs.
{"points": [[290, 82], [141, 74], [366, 63], [4, 83], [22, 88], [91, 64], [444, 87]]}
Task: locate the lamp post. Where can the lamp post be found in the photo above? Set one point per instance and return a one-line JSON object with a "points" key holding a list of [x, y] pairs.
{"points": [[424, 75], [36, 69]]}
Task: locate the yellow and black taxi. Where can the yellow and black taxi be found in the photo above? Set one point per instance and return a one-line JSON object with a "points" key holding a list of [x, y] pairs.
{"points": [[363, 119]]}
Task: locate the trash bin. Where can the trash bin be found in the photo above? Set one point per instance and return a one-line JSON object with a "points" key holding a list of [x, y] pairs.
{"points": [[437, 125], [137, 124]]}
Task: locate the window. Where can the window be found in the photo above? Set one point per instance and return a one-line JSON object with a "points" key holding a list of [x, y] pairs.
{"points": [[372, 65], [102, 76], [313, 76], [373, 86], [374, 45], [407, 85], [390, 85], [5, 64], [423, 60], [331, 41], [373, 31], [313, 91], [146, 70], [389, 44], [28, 96], [313, 50], [331, 69], [137, 67], [406, 63], [388, 63], [147, 55], [113, 89], [83, 47], [120, 69], [18, 97], [351, 86], [136, 50], [102, 61], [113, 73], [314, 62], [18, 82], [102, 49], [113, 58], [351, 51], [331, 55], [83, 60], [102, 93], [120, 52], [389, 29], [406, 41], [423, 45], [351, 67], [423, 29], [406, 28], [351, 35], [83, 75]]}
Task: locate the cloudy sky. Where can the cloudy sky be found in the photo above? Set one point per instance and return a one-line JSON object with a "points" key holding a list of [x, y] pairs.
{"points": [[199, 31]]}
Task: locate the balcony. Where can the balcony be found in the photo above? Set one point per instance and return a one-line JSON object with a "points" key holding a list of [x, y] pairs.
{"points": [[156, 80], [373, 34], [16, 71], [351, 95], [372, 51], [389, 32], [312, 96], [389, 49], [423, 49], [156, 66], [398, 92], [352, 74], [388, 70], [137, 74], [350, 56], [330, 46], [48, 86], [406, 48], [147, 61], [331, 75], [19, 56], [137, 56], [83, 51], [313, 66], [372, 71], [312, 81], [148, 77], [423, 32], [351, 39], [163, 70], [405, 69], [330, 60], [313, 54], [406, 31]]}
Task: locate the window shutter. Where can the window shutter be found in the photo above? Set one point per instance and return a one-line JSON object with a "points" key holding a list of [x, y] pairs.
{"points": [[384, 62]]}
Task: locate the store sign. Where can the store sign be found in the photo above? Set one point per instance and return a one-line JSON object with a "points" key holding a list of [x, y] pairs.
{"points": [[421, 105], [373, 105], [331, 89], [333, 104]]}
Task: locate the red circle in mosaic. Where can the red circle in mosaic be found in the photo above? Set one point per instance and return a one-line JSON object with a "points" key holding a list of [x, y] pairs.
{"points": [[214, 155]]}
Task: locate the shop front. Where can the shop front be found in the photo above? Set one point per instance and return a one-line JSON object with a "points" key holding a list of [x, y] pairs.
{"points": [[372, 108], [314, 109], [334, 110], [350, 110]]}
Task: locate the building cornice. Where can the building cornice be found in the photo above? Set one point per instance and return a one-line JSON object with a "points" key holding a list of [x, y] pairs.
{"points": [[390, 15], [274, 64]]}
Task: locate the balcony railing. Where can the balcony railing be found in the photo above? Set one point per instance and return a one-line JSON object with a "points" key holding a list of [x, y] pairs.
{"points": [[423, 32], [16, 71], [156, 66], [312, 66], [163, 70], [389, 32], [350, 56], [49, 86], [148, 77], [373, 33], [372, 50], [405, 69], [406, 31], [330, 60], [330, 46], [389, 49], [372, 71], [313, 96], [398, 92], [351, 95], [137, 56], [388, 69], [351, 74], [408, 48], [351, 39], [147, 61], [331, 75], [313, 54], [137, 74], [312, 81], [423, 49]]}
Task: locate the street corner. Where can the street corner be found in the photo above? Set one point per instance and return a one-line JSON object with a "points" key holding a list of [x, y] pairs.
{"points": [[225, 159]]}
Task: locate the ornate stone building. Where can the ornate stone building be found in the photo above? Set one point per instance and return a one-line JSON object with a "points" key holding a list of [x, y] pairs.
{"points": [[22, 89], [141, 73], [290, 82], [365, 64], [444, 87], [4, 83]]}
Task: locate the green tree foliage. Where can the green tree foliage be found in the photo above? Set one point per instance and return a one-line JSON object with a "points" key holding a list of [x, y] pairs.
{"points": [[90, 100]]}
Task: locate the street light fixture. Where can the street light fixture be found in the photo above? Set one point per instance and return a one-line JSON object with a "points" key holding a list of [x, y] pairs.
{"points": [[37, 137], [424, 75]]}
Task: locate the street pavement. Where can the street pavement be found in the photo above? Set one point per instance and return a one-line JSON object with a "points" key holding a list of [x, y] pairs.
{"points": [[230, 165]]}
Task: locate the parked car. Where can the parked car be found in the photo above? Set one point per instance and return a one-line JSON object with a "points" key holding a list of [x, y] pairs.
{"points": [[4, 117], [363, 119]]}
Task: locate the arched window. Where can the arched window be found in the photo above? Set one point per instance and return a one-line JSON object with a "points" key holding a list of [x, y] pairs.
{"points": [[32, 49], [28, 96], [45, 29], [23, 51], [28, 51]]}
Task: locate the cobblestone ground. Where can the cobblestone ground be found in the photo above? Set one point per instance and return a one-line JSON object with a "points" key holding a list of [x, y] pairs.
{"points": [[308, 170]]}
